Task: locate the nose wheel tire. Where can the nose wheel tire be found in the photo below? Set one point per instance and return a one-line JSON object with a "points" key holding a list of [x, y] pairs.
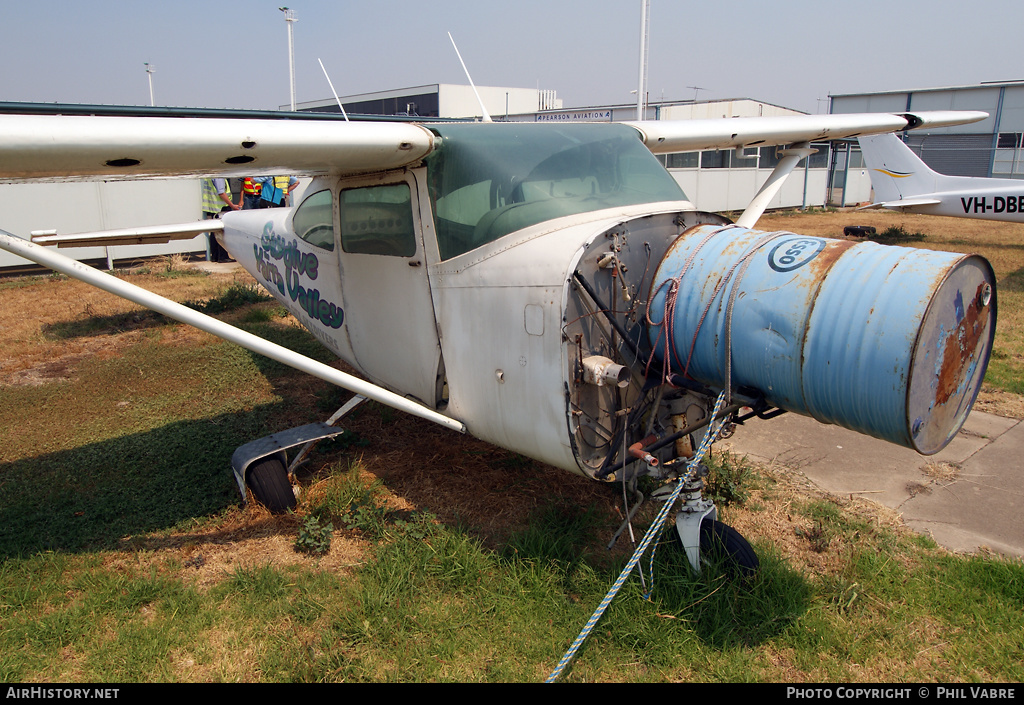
{"points": [[721, 544], [268, 480]]}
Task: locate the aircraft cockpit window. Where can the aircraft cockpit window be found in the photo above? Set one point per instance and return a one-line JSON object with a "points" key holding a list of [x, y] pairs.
{"points": [[314, 220], [377, 220], [486, 183]]}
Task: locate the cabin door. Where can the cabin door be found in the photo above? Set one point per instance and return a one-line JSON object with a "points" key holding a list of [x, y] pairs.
{"points": [[389, 314]]}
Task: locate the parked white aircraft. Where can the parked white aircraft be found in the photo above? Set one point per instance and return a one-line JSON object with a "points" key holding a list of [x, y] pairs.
{"points": [[901, 181], [549, 288]]}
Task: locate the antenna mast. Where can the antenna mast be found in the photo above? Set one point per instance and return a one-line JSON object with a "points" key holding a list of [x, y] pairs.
{"points": [[486, 115], [329, 83]]}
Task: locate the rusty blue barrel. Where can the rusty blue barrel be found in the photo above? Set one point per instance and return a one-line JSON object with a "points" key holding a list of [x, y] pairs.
{"points": [[889, 341]]}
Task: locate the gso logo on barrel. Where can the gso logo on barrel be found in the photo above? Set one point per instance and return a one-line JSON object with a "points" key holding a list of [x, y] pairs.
{"points": [[794, 253]]}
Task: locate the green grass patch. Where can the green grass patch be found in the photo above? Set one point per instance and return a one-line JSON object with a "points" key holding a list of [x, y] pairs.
{"points": [[439, 606], [123, 449], [236, 296]]}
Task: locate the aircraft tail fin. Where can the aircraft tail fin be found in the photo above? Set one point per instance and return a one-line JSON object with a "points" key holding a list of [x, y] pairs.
{"points": [[897, 174]]}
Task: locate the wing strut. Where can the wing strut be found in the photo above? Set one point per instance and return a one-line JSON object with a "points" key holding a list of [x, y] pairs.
{"points": [[172, 309], [790, 158]]}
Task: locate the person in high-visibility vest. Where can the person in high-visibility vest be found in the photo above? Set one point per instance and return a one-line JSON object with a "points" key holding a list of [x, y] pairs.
{"points": [[250, 193], [274, 190], [216, 198]]}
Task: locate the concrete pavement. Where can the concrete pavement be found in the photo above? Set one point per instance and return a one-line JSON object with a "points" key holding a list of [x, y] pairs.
{"points": [[969, 495], [213, 267]]}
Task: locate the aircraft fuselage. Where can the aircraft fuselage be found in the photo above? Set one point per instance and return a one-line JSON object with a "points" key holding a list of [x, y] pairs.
{"points": [[514, 293]]}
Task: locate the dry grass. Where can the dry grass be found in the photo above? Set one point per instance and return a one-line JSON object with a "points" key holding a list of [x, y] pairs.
{"points": [[1001, 243], [463, 481], [780, 520], [34, 309]]}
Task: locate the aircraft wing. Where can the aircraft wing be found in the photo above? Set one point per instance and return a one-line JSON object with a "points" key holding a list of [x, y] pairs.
{"points": [[78, 147], [667, 136]]}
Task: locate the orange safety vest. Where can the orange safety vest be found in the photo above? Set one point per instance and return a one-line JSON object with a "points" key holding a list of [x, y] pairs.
{"points": [[250, 187]]}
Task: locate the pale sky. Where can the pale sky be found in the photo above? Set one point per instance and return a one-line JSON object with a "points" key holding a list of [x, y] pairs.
{"points": [[233, 54]]}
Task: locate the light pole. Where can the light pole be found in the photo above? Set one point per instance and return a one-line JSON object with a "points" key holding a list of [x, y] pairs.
{"points": [[645, 28], [289, 18], [149, 73]]}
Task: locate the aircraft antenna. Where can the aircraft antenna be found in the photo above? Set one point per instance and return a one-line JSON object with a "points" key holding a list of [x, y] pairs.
{"points": [[333, 91], [487, 116]]}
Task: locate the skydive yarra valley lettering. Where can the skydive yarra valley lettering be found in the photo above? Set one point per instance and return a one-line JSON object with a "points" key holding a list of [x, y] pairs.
{"points": [[273, 250]]}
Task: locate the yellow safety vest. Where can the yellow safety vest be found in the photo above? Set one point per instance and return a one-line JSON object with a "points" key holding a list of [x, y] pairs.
{"points": [[212, 202]]}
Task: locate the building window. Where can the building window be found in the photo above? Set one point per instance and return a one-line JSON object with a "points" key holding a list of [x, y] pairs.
{"points": [[819, 160], [769, 157], [717, 159], [743, 159], [683, 160], [1009, 140]]}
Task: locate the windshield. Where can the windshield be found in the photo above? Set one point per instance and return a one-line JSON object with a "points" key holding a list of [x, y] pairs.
{"points": [[488, 180]]}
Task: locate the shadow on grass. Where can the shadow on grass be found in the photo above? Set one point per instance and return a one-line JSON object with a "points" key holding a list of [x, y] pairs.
{"points": [[719, 608], [1013, 281], [236, 296], [92, 496], [104, 325]]}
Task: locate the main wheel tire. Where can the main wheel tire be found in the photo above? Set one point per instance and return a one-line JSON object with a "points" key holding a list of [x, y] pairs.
{"points": [[722, 543], [268, 480]]}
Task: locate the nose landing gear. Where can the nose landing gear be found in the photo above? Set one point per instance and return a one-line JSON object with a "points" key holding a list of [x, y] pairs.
{"points": [[704, 538]]}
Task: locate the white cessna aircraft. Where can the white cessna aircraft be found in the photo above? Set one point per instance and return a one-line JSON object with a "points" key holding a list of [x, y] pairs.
{"points": [[549, 288], [903, 182]]}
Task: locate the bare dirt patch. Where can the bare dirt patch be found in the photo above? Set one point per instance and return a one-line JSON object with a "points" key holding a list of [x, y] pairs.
{"points": [[243, 539]]}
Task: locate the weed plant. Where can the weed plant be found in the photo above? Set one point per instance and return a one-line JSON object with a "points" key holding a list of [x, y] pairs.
{"points": [[314, 536], [897, 235], [235, 296]]}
